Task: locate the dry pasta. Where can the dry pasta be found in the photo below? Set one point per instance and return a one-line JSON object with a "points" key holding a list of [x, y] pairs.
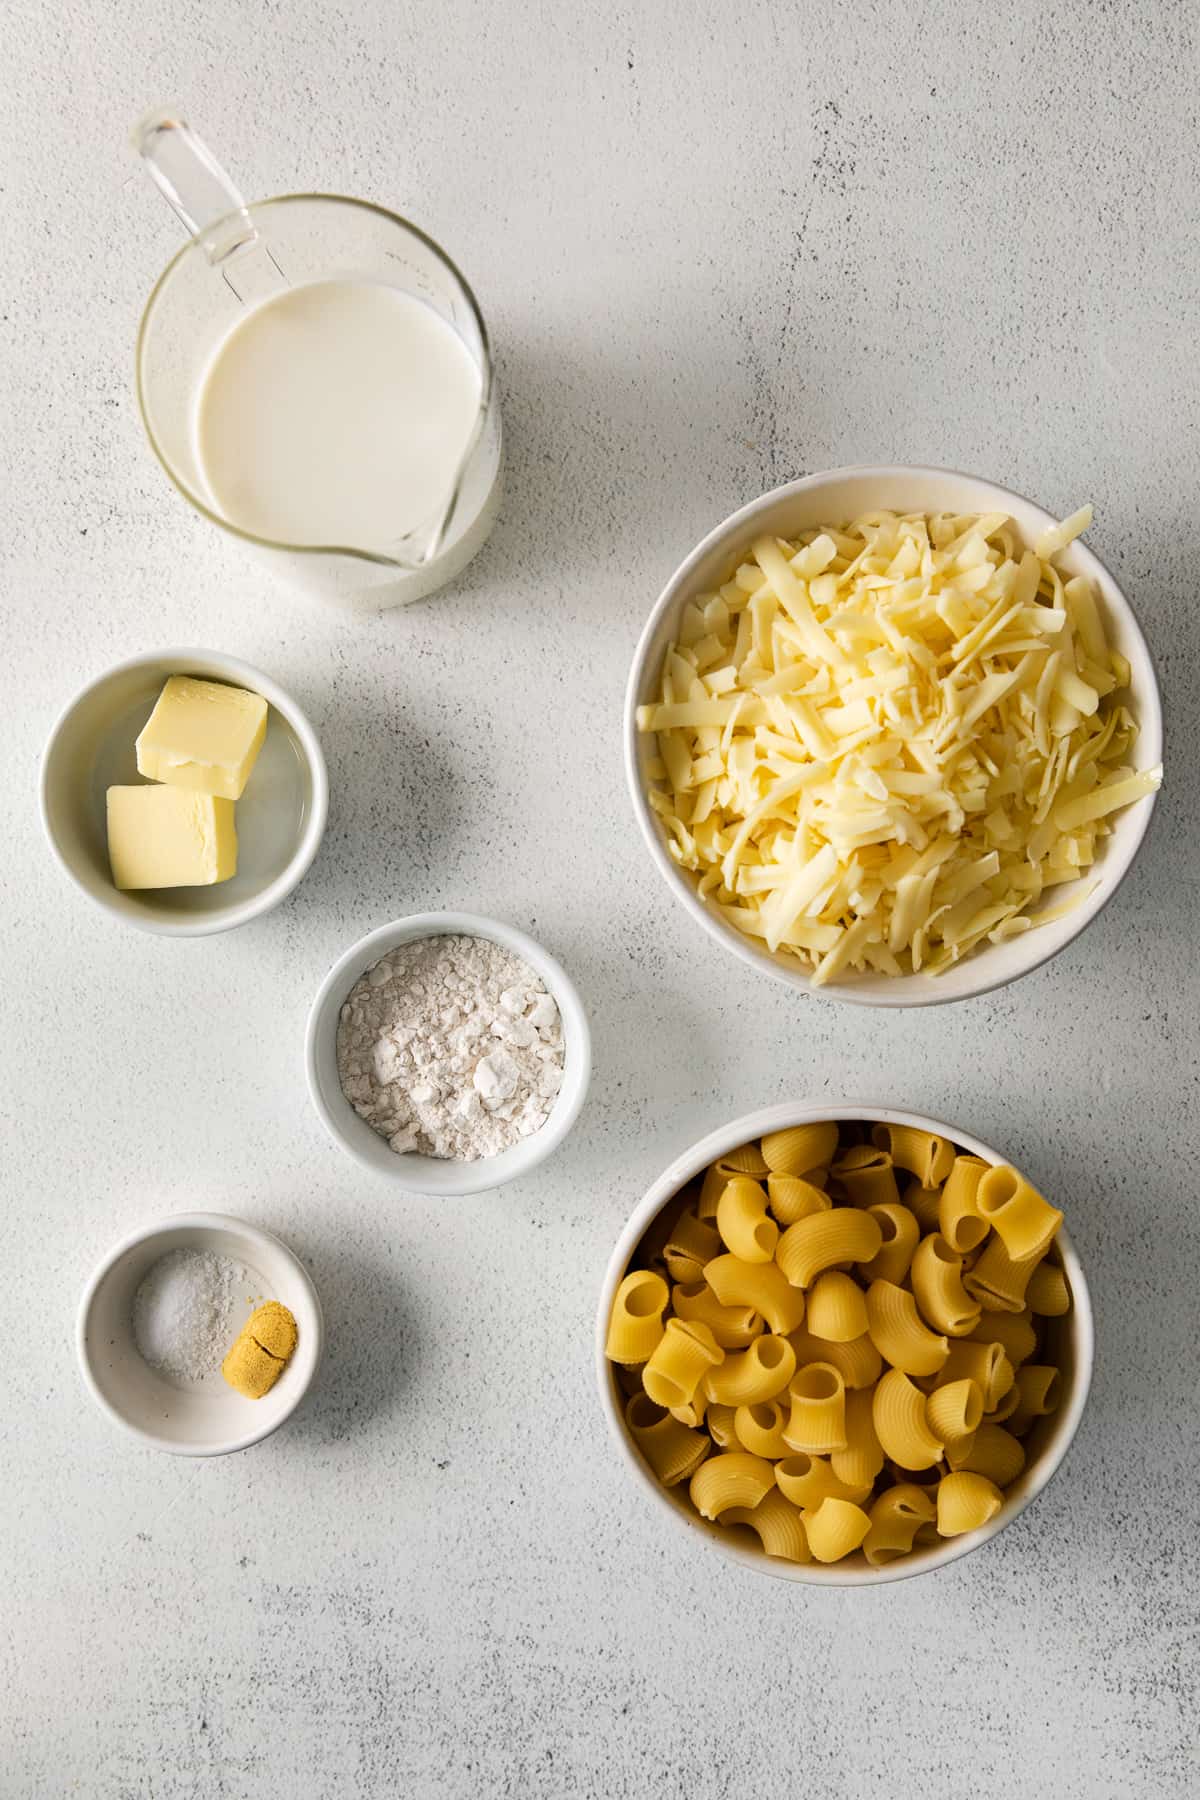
{"points": [[836, 1528], [900, 1334], [958, 1216], [901, 1425], [965, 1502], [731, 1478], [778, 1524], [842, 1374], [742, 1222], [635, 1328], [687, 1351], [900, 1235], [937, 1283], [812, 1245], [672, 1450], [759, 1372], [692, 1243], [837, 1311], [896, 1518], [1024, 1222], [922, 1153], [733, 1326], [817, 1422], [800, 1148], [794, 1197], [763, 1286]]}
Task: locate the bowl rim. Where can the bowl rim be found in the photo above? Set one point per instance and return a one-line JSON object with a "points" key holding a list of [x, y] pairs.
{"points": [[683, 1168], [238, 673], [310, 1351], [471, 1178], [1150, 734]]}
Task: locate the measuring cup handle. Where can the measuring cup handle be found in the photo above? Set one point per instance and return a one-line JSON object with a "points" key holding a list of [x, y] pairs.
{"points": [[194, 184]]}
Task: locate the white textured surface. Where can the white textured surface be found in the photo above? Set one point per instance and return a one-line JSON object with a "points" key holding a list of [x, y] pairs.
{"points": [[717, 246]]}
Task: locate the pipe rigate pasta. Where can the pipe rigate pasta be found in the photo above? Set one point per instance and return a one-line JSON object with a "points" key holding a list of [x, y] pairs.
{"points": [[759, 1372], [867, 1176], [1037, 1388], [745, 1230], [862, 1458], [763, 1286], [779, 1525], [820, 1242], [1047, 1293], [898, 1411], [936, 1277], [817, 1422], [635, 1328], [965, 1502], [958, 1215], [1024, 1222], [858, 1362], [800, 1148], [673, 1452], [807, 1480], [996, 1280], [835, 1529], [896, 1517], [732, 1478], [993, 1452], [747, 1160], [924, 1204], [678, 1366], [721, 1424], [954, 1412], [837, 1311], [1015, 1333], [692, 1243], [922, 1153], [985, 1364], [792, 1197], [900, 1234], [759, 1428], [733, 1326], [830, 1396], [900, 1334]]}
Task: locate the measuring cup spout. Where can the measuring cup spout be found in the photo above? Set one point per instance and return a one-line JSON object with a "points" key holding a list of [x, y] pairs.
{"points": [[206, 203]]}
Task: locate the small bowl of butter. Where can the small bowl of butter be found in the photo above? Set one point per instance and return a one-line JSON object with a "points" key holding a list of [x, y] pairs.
{"points": [[184, 792]]}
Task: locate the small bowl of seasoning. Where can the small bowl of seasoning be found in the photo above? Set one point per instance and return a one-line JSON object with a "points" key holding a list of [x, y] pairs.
{"points": [[199, 1334], [448, 1052]]}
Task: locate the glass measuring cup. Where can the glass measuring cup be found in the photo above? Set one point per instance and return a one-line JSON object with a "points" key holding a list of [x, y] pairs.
{"points": [[240, 256]]}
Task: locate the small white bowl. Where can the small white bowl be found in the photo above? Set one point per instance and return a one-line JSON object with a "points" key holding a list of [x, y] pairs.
{"points": [[209, 1418], [429, 1174], [1046, 1445], [831, 498], [280, 817]]}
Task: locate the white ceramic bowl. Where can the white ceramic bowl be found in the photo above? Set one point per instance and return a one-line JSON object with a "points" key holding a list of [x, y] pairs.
{"points": [[428, 1174], [280, 817], [208, 1419], [832, 498], [1046, 1445]]}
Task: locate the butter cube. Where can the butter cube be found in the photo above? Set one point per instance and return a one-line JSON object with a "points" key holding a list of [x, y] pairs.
{"points": [[161, 837], [203, 735]]}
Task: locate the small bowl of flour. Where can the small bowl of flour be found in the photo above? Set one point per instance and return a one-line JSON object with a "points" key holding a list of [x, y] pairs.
{"points": [[448, 1052]]}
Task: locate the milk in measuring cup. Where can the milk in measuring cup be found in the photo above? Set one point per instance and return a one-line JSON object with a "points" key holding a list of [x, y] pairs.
{"points": [[338, 413]]}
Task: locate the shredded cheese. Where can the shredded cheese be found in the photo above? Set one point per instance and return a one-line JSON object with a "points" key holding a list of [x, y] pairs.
{"points": [[881, 745]]}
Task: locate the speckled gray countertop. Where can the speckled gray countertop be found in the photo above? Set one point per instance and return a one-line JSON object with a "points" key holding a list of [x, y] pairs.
{"points": [[718, 246]]}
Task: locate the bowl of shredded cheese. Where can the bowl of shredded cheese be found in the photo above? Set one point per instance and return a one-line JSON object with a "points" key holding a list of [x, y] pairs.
{"points": [[893, 733]]}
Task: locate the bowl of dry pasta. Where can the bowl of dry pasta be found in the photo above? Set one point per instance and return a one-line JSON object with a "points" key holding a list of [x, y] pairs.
{"points": [[845, 1348], [893, 734]]}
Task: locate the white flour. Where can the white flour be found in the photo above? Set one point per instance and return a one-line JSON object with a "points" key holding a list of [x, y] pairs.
{"points": [[450, 1046]]}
